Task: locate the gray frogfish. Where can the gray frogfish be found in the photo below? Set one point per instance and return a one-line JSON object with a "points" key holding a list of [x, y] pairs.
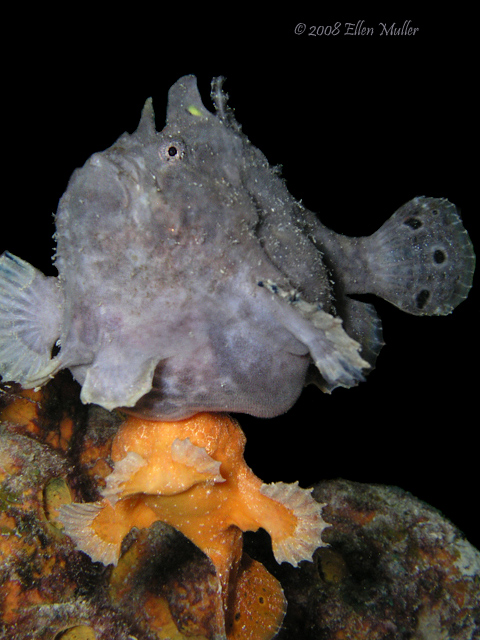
{"points": [[191, 280]]}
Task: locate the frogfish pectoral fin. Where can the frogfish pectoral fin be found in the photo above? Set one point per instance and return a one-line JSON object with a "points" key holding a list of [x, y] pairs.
{"points": [[335, 354], [98, 528], [31, 310], [95, 529], [295, 523]]}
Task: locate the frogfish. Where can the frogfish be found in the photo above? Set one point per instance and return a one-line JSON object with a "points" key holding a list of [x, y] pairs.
{"points": [[191, 280], [192, 475]]}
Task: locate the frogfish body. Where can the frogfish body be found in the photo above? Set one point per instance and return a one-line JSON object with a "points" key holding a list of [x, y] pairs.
{"points": [[192, 475], [189, 279]]}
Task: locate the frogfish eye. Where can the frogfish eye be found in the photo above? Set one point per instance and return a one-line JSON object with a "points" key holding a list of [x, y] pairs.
{"points": [[172, 150]]}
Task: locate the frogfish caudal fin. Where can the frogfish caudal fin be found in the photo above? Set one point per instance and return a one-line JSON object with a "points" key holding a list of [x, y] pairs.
{"points": [[421, 259]]}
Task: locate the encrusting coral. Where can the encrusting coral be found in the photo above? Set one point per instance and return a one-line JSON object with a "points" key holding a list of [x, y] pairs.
{"points": [[192, 475]]}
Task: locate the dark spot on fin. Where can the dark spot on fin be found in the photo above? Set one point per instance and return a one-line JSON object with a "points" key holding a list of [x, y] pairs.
{"points": [[421, 259], [413, 223], [422, 298]]}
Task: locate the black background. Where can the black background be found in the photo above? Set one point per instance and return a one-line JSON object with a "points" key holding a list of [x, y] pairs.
{"points": [[361, 124]]}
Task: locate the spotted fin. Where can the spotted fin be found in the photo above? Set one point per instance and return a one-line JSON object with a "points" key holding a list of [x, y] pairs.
{"points": [[307, 535], [31, 310], [421, 259], [184, 452]]}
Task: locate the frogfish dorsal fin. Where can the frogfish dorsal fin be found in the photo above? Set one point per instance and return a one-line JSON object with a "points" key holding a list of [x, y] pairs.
{"points": [[184, 103]]}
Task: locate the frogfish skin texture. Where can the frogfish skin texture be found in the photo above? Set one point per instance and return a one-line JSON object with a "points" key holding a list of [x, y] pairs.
{"points": [[189, 279], [192, 475]]}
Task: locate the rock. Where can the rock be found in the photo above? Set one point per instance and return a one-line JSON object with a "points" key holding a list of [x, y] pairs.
{"points": [[395, 569]]}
